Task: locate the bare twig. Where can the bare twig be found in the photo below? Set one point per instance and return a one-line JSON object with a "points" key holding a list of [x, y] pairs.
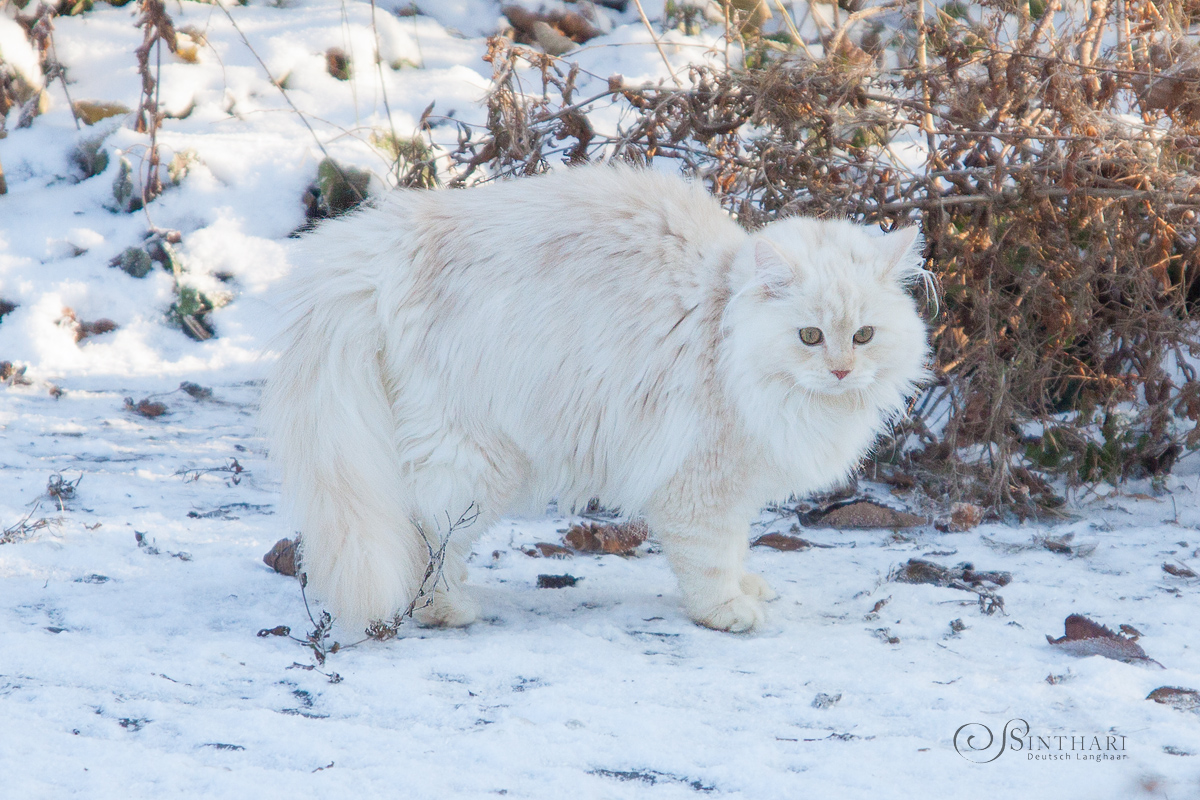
{"points": [[23, 527], [434, 572], [789, 23], [657, 43], [233, 469], [863, 13], [42, 34], [320, 641], [383, 86]]}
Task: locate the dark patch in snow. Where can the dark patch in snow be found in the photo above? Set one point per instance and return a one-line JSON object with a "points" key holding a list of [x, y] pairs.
{"points": [[556, 581], [296, 712], [226, 511], [651, 777]]}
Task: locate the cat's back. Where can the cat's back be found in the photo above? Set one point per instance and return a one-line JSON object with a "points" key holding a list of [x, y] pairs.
{"points": [[610, 226]]}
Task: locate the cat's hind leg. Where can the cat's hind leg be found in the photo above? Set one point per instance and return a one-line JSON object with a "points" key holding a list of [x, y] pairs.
{"points": [[328, 420]]}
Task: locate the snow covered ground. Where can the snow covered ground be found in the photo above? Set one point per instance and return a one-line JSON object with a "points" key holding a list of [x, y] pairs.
{"points": [[130, 664]]}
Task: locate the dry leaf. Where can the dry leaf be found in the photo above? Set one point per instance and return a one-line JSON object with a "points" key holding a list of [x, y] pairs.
{"points": [[196, 391], [569, 26], [95, 328], [899, 480], [918, 570], [282, 557], [1178, 571], [1087, 638], [576, 26], [1059, 545], [867, 514], [964, 577], [520, 18], [963, 517], [885, 635], [337, 63], [92, 111], [85, 329], [1066, 545], [551, 40], [278, 630], [146, 407], [781, 541], [548, 550], [60, 488], [823, 700], [873, 614], [188, 42], [620, 539], [1176, 697], [13, 375]]}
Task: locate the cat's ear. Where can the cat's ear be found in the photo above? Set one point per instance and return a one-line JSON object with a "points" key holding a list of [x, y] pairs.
{"points": [[770, 270], [902, 251]]}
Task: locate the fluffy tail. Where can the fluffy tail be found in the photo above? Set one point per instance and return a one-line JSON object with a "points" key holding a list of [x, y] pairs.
{"points": [[330, 427]]}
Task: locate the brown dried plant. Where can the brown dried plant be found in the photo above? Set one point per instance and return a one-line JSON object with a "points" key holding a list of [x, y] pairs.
{"points": [[1056, 181], [157, 30]]}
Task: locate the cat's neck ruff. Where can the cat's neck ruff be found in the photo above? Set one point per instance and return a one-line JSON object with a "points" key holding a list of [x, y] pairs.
{"points": [[807, 441]]}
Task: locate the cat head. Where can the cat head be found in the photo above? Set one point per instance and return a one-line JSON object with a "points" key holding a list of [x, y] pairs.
{"points": [[821, 309]]}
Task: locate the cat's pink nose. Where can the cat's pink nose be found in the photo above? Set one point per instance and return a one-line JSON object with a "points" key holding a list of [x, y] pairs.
{"points": [[841, 373]]}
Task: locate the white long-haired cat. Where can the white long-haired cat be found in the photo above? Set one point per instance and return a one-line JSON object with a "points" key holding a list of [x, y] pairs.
{"points": [[597, 332]]}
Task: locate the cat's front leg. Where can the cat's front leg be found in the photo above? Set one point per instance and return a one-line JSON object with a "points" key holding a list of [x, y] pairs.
{"points": [[708, 558]]}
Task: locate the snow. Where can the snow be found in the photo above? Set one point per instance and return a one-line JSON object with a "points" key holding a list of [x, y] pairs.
{"points": [[134, 670], [16, 50]]}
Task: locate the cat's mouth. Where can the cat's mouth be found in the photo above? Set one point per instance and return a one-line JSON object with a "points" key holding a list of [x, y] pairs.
{"points": [[849, 384], [849, 391], [843, 393]]}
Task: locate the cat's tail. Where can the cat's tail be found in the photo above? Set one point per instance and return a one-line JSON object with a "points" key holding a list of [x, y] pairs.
{"points": [[330, 428]]}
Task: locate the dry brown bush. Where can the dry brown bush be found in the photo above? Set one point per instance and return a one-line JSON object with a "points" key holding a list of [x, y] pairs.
{"points": [[1056, 180]]}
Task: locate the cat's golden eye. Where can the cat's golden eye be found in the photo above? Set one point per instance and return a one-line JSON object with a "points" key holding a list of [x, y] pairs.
{"points": [[811, 336], [863, 334]]}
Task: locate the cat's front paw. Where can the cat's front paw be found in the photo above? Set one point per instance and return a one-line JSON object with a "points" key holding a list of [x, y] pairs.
{"points": [[756, 586], [737, 615]]}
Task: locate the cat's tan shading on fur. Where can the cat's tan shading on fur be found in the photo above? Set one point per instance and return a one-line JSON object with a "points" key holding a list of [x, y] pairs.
{"points": [[596, 332]]}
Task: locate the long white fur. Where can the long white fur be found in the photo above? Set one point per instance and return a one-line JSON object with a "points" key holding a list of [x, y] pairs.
{"points": [[598, 332]]}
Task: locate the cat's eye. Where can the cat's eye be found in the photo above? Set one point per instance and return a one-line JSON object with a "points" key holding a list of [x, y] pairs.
{"points": [[863, 334], [811, 336]]}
